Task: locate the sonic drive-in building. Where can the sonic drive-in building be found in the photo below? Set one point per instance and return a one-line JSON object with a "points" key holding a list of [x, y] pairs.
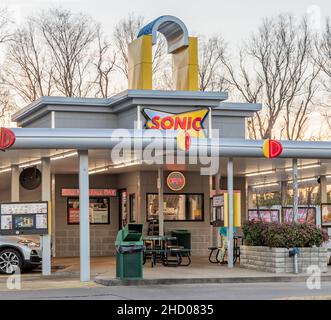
{"points": [[146, 155]]}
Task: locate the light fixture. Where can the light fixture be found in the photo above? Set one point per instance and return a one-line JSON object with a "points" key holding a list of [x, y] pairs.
{"points": [[308, 166], [3, 170], [254, 174], [98, 170], [303, 167], [29, 164], [307, 180], [265, 185], [64, 156], [124, 165]]}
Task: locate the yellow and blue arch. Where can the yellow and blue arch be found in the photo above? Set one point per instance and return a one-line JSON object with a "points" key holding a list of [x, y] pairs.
{"points": [[184, 50]]}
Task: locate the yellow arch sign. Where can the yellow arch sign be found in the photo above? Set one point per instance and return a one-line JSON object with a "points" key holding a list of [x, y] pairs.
{"points": [[184, 50]]}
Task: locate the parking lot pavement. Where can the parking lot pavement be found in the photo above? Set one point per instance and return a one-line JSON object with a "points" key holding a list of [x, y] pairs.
{"points": [[242, 291], [34, 282]]}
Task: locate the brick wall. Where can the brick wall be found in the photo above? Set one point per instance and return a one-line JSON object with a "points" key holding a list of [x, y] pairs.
{"points": [[102, 237], [277, 260]]}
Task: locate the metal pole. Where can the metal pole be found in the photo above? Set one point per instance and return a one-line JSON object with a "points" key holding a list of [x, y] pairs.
{"points": [[283, 193], [218, 181], [215, 236], [161, 213], [15, 183], [230, 206], [250, 202], [84, 216], [295, 190], [46, 196], [323, 189], [296, 266]]}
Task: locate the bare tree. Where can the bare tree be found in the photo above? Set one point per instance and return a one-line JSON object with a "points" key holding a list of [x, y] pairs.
{"points": [[69, 37], [211, 74], [276, 68], [5, 32], [28, 70], [324, 50], [7, 108], [324, 59], [104, 65], [125, 32]]}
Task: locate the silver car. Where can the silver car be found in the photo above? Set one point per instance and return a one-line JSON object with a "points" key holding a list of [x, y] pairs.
{"points": [[19, 251]]}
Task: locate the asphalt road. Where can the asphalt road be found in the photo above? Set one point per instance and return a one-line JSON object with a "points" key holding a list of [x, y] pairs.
{"points": [[256, 291]]}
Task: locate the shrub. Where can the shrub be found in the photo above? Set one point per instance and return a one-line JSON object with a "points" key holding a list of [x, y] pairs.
{"points": [[253, 233], [257, 233]]}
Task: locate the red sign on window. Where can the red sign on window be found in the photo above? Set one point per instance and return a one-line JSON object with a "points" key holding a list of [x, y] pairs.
{"points": [[93, 192]]}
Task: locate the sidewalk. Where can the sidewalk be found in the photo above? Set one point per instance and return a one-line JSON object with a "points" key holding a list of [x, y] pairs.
{"points": [[65, 274], [201, 271]]}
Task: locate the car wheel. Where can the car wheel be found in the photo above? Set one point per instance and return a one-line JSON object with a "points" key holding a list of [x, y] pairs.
{"points": [[10, 259]]}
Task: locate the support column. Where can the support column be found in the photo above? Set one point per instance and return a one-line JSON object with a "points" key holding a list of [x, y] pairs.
{"points": [[250, 202], [218, 181], [160, 190], [53, 208], [295, 190], [46, 196], [283, 193], [15, 184], [323, 189], [216, 239], [84, 225], [230, 206]]}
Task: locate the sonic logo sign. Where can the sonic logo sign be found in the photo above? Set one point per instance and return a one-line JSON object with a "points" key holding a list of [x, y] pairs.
{"points": [[191, 122], [7, 138], [272, 149]]}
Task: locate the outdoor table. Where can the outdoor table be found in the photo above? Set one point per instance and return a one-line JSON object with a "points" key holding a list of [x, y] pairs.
{"points": [[160, 250], [179, 253], [217, 250]]}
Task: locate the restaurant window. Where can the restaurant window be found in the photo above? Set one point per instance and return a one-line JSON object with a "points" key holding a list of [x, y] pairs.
{"points": [[176, 207], [99, 211]]}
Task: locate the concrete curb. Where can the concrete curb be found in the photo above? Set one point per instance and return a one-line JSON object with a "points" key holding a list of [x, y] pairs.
{"points": [[146, 282]]}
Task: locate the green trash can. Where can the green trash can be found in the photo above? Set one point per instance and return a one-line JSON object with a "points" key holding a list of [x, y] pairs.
{"points": [[183, 238], [129, 252]]}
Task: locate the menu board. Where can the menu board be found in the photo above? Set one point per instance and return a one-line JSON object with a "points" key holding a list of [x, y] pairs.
{"points": [[98, 210], [326, 214], [264, 215], [218, 201], [24, 218], [305, 215]]}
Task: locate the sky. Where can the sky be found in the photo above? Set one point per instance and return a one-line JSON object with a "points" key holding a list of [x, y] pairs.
{"points": [[234, 19]]}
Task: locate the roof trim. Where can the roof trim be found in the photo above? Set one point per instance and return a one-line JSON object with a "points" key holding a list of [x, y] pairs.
{"points": [[239, 106], [45, 101], [126, 99]]}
